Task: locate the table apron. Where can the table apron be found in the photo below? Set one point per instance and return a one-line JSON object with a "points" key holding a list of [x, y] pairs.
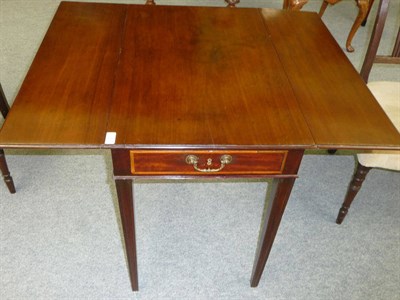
{"points": [[205, 164]]}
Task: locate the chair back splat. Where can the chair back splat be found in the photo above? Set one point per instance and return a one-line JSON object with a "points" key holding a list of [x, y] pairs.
{"points": [[371, 56]]}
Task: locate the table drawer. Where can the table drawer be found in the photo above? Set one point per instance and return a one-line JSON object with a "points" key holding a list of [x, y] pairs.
{"points": [[203, 162]]}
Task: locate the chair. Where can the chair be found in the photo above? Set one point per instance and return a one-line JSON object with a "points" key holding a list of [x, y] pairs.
{"points": [[4, 108], [294, 4], [388, 96], [364, 7], [287, 4]]}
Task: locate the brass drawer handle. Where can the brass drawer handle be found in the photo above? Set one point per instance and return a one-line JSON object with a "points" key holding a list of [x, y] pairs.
{"points": [[193, 160]]}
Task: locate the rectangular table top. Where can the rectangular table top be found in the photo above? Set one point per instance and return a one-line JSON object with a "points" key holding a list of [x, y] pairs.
{"points": [[193, 77]]}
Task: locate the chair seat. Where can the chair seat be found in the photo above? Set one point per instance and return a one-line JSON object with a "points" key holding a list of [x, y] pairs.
{"points": [[388, 95]]}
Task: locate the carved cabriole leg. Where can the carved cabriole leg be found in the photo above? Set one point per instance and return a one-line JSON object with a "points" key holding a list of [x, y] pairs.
{"points": [[127, 211], [294, 4], [364, 7], [354, 187], [6, 173], [325, 5], [232, 3], [362, 13], [279, 195], [371, 2], [150, 2]]}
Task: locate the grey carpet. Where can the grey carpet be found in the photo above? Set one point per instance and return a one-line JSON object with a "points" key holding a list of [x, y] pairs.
{"points": [[61, 234]]}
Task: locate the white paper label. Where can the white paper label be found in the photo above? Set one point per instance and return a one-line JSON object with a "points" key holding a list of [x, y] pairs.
{"points": [[110, 138]]}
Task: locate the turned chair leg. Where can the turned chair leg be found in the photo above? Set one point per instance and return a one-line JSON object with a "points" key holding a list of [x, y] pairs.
{"points": [[354, 187], [6, 173]]}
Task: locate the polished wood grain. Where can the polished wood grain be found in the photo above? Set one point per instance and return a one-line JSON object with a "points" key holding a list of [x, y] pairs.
{"points": [[339, 110], [229, 78], [66, 94], [214, 82], [171, 162]]}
